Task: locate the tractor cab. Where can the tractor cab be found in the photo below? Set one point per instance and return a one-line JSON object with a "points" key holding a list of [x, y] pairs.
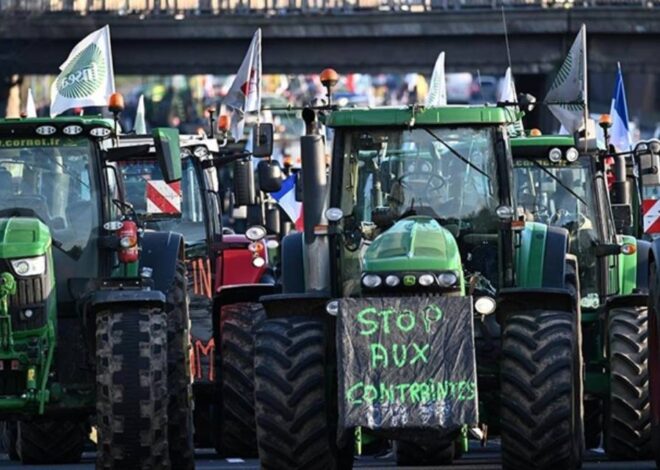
{"points": [[440, 178], [557, 185]]}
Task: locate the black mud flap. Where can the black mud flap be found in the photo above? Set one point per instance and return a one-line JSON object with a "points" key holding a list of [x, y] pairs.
{"points": [[406, 363]]}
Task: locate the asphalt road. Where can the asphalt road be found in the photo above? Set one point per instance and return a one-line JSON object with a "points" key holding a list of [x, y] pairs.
{"points": [[477, 459]]}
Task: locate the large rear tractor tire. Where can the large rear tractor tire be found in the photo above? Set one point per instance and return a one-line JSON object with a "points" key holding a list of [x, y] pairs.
{"points": [[654, 361], [417, 454], [541, 414], [294, 427], [179, 380], [628, 412], [50, 442], [131, 389], [237, 433]]}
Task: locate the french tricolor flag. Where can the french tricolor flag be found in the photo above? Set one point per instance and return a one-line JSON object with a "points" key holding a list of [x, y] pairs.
{"points": [[620, 133], [286, 198]]}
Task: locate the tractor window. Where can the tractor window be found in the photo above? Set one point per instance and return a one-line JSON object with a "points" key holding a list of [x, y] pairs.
{"points": [[55, 184], [187, 218], [562, 194], [444, 173]]}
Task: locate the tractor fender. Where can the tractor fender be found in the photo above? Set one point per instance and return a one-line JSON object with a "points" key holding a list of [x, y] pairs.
{"points": [[243, 293], [524, 299], [238, 294], [311, 304], [293, 265], [629, 300], [160, 252], [99, 299], [540, 255]]}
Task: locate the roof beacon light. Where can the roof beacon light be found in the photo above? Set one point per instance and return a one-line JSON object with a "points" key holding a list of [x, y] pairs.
{"points": [[224, 122], [605, 121], [535, 133], [116, 103]]}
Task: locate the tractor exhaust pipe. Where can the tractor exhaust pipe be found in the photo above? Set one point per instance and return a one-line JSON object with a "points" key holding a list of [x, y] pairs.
{"points": [[621, 189], [315, 202]]}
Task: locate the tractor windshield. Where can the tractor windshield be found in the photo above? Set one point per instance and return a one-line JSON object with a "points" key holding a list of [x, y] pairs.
{"points": [[50, 179], [443, 173], [178, 206], [562, 194]]}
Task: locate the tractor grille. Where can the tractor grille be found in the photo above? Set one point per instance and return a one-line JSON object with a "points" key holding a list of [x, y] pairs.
{"points": [[31, 294]]}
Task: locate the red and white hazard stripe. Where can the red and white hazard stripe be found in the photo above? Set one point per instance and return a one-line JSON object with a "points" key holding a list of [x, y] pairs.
{"points": [[163, 198], [651, 210]]}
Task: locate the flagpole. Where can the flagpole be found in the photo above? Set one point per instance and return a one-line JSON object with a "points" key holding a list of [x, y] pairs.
{"points": [[584, 91]]}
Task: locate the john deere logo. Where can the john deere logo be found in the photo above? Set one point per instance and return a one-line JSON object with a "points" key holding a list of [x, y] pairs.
{"points": [[84, 74]]}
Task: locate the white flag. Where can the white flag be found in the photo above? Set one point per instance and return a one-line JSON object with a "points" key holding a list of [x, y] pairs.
{"points": [[30, 107], [87, 77], [140, 126], [567, 98], [438, 87], [508, 91], [508, 95], [244, 96]]}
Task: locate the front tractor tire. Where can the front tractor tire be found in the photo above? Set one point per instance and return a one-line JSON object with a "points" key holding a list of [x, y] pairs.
{"points": [[237, 433], [541, 416], [43, 442], [628, 413], [131, 389], [179, 379], [296, 427]]}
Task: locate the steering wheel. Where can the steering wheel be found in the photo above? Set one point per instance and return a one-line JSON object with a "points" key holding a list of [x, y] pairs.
{"points": [[434, 183], [563, 218]]}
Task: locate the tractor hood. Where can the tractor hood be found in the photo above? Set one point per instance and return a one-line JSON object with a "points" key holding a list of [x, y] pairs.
{"points": [[23, 237], [413, 244]]}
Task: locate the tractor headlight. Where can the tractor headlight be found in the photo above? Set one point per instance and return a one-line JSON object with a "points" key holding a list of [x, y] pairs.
{"points": [[426, 280], [392, 280], [572, 154], [555, 155], [45, 130], [29, 266], [100, 132], [447, 279], [255, 233], [72, 130], [371, 280], [485, 305]]}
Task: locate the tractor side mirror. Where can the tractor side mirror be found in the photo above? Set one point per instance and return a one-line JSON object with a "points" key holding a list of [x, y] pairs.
{"points": [[623, 219], [168, 153], [244, 191], [607, 249], [270, 176], [262, 141], [649, 161]]}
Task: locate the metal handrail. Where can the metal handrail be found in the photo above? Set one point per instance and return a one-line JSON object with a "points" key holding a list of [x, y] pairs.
{"points": [[218, 7]]}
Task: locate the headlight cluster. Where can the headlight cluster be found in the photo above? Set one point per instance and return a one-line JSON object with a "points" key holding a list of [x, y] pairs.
{"points": [[29, 266], [445, 279], [74, 129], [571, 154]]}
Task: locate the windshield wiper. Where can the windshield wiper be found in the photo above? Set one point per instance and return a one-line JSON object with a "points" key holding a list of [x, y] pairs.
{"points": [[554, 177], [456, 154]]}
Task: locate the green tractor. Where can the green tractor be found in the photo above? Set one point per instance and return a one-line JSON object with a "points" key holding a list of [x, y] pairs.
{"points": [[416, 304], [560, 184], [94, 327]]}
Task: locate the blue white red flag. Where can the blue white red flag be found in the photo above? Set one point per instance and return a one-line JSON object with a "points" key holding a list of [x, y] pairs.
{"points": [[620, 133], [286, 198]]}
